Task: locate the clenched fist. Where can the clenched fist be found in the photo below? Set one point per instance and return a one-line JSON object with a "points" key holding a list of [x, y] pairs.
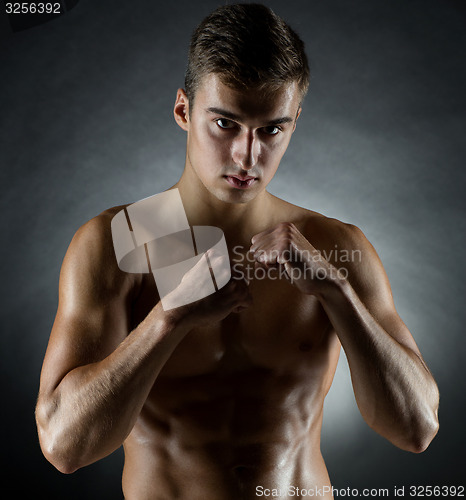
{"points": [[285, 246]]}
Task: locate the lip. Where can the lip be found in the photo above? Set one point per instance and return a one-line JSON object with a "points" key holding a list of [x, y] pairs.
{"points": [[242, 177], [240, 182]]}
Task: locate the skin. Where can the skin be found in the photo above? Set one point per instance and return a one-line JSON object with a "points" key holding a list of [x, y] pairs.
{"points": [[218, 397]]}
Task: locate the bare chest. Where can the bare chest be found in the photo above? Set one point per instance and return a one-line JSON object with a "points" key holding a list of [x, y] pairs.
{"points": [[282, 330]]}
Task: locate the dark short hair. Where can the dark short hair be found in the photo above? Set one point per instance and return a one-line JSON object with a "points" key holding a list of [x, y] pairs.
{"points": [[249, 47]]}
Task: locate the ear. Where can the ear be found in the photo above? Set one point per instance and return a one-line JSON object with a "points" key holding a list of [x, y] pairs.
{"points": [[296, 119], [181, 109]]}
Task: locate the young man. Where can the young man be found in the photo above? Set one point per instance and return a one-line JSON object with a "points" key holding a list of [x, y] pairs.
{"points": [[222, 398]]}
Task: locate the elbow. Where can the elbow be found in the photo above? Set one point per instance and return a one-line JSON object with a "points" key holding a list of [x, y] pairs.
{"points": [[424, 434], [421, 443], [415, 431], [424, 427], [59, 461], [56, 453], [413, 426], [53, 445], [58, 458]]}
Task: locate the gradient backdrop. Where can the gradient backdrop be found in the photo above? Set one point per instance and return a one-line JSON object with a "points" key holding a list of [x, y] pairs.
{"points": [[86, 123]]}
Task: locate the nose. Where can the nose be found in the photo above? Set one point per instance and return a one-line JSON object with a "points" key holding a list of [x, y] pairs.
{"points": [[246, 149]]}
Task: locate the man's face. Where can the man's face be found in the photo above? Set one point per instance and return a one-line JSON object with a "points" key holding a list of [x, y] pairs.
{"points": [[236, 139]]}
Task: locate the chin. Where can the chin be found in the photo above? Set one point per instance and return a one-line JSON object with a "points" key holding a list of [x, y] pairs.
{"points": [[234, 196]]}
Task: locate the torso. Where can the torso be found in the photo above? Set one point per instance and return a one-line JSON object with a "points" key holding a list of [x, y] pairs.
{"points": [[238, 406]]}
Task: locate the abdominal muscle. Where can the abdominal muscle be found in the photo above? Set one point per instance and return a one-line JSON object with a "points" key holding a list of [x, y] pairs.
{"points": [[237, 409], [226, 440]]}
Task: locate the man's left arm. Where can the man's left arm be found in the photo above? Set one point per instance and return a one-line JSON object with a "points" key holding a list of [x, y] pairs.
{"points": [[395, 392]]}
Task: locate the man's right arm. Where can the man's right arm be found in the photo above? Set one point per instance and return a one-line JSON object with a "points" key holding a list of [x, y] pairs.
{"points": [[96, 375]]}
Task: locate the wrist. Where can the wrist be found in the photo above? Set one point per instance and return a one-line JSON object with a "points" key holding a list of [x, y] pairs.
{"points": [[172, 319], [333, 284]]}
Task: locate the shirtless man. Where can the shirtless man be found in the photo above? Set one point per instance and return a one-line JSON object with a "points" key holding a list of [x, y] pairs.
{"points": [[222, 398]]}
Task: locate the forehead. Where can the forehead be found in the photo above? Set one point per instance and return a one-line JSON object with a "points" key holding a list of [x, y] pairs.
{"points": [[252, 104]]}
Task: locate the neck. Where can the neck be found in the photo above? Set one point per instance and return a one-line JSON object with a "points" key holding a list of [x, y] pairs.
{"points": [[237, 220]]}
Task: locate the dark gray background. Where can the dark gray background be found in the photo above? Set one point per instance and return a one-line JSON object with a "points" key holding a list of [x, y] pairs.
{"points": [[86, 123]]}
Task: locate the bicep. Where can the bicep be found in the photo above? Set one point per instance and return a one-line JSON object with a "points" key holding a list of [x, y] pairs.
{"points": [[368, 278], [93, 314]]}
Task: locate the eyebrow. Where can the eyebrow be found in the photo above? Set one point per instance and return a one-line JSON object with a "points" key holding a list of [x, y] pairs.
{"points": [[234, 116]]}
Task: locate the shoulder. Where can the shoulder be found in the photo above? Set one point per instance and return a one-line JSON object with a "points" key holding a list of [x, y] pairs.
{"points": [[342, 244], [101, 222], [323, 231], [90, 264], [346, 247], [328, 231], [94, 237]]}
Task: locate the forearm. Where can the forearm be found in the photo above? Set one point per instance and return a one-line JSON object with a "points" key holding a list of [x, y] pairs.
{"points": [[95, 406], [394, 390]]}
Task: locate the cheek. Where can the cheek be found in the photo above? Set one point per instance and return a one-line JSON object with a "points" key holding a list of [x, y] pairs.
{"points": [[208, 153], [270, 171], [217, 150], [272, 155], [209, 143]]}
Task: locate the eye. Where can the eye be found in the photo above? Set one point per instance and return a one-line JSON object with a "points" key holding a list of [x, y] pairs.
{"points": [[272, 130], [224, 123]]}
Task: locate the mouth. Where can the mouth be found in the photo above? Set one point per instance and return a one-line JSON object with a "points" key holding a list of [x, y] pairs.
{"points": [[240, 182]]}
